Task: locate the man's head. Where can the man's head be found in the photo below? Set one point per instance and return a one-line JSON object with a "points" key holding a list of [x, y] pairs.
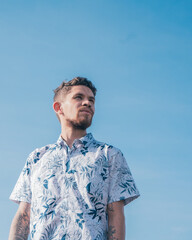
{"points": [[74, 103]]}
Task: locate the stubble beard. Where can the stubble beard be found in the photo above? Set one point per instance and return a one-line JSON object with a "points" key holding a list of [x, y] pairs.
{"points": [[81, 124]]}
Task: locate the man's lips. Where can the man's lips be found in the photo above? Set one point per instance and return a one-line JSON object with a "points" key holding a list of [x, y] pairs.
{"points": [[86, 111]]}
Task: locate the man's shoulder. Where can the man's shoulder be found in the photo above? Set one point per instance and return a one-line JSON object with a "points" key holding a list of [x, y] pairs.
{"points": [[37, 153], [111, 149]]}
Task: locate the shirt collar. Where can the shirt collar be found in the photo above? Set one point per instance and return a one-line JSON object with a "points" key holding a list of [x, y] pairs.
{"points": [[83, 141]]}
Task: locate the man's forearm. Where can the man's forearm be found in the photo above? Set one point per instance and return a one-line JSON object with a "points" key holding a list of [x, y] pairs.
{"points": [[116, 223], [116, 230], [20, 227]]}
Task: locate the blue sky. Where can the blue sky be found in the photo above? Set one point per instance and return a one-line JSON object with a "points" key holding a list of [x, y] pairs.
{"points": [[138, 54]]}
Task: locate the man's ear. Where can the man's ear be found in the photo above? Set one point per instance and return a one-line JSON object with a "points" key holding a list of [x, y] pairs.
{"points": [[57, 107]]}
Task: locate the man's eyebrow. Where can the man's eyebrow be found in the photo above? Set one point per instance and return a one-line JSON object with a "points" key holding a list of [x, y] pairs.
{"points": [[81, 94], [78, 93], [92, 98]]}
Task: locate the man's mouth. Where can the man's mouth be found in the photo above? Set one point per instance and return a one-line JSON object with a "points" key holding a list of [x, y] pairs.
{"points": [[86, 111]]}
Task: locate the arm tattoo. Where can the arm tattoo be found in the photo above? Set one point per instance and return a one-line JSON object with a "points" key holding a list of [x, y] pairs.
{"points": [[111, 232], [110, 207], [22, 227]]}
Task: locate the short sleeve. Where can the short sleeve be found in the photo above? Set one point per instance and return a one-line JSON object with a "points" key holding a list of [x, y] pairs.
{"points": [[22, 189], [121, 182]]}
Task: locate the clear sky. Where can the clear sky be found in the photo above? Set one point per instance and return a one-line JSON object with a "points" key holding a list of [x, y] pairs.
{"points": [[138, 54]]}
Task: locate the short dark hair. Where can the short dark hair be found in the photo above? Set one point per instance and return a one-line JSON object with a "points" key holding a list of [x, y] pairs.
{"points": [[66, 86]]}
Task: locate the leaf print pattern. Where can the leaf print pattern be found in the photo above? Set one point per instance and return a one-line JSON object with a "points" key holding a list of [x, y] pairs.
{"points": [[48, 207], [80, 220], [50, 232], [69, 189]]}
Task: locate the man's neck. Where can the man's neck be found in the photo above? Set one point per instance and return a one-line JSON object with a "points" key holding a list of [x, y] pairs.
{"points": [[70, 134]]}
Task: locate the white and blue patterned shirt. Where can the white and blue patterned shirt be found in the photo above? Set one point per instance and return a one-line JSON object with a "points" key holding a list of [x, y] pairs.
{"points": [[69, 189]]}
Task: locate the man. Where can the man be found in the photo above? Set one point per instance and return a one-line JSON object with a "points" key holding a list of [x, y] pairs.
{"points": [[77, 188]]}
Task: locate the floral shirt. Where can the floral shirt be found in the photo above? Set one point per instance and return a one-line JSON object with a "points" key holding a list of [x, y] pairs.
{"points": [[69, 189]]}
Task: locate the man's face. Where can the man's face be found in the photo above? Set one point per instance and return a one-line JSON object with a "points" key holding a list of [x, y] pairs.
{"points": [[78, 107]]}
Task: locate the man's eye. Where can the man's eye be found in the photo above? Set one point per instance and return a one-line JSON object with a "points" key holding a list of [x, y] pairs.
{"points": [[78, 97]]}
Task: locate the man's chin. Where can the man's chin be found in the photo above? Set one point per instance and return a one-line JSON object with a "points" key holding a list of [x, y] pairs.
{"points": [[81, 125]]}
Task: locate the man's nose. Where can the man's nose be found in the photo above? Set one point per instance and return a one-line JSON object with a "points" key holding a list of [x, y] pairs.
{"points": [[86, 102]]}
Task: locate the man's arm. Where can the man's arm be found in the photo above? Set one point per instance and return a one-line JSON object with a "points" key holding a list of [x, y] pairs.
{"points": [[116, 221], [20, 225]]}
